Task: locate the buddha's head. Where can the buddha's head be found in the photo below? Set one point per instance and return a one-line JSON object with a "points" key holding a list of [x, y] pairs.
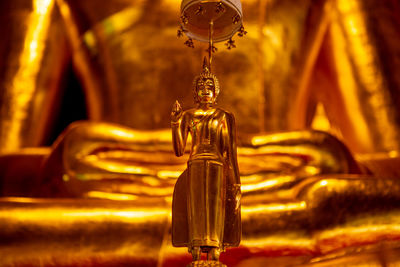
{"points": [[205, 87]]}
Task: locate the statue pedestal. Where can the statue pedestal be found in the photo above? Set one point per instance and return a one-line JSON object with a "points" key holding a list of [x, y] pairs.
{"points": [[206, 264]]}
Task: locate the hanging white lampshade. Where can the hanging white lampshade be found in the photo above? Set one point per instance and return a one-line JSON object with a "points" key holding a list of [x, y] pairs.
{"points": [[196, 16]]}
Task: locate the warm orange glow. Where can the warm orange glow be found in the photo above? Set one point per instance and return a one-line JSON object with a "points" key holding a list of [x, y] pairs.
{"points": [[302, 191], [272, 36], [264, 184], [24, 82], [118, 22], [323, 182], [169, 174], [320, 121], [356, 60], [366, 230], [345, 79], [146, 190], [95, 214], [275, 207], [111, 196], [312, 170], [276, 242], [117, 167]]}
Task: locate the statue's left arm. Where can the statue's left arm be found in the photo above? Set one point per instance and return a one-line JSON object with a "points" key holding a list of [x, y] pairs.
{"points": [[231, 150]]}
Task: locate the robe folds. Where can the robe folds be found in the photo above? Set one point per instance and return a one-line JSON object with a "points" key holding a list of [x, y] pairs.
{"points": [[204, 198]]}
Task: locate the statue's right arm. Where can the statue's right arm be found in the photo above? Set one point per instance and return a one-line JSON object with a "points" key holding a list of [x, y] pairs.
{"points": [[179, 126]]}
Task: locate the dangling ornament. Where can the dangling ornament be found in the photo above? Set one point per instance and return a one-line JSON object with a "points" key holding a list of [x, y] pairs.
{"points": [[184, 19], [181, 31], [213, 49], [230, 44], [220, 8], [242, 32], [236, 19], [200, 10], [189, 43]]}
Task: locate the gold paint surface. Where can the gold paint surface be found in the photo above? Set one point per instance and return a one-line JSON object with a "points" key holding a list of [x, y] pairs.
{"points": [[292, 207], [362, 81], [300, 204], [294, 58], [32, 72], [351, 76], [70, 232], [111, 49], [90, 156], [330, 219]]}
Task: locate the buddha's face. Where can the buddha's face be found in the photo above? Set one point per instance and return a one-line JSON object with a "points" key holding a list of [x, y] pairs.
{"points": [[205, 90]]}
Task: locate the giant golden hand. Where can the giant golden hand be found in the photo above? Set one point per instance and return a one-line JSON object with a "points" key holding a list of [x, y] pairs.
{"points": [[303, 205]]}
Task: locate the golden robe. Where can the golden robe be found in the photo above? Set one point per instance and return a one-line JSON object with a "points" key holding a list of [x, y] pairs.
{"points": [[206, 208]]}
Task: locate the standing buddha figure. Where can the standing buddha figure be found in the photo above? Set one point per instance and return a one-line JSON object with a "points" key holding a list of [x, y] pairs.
{"points": [[206, 203]]}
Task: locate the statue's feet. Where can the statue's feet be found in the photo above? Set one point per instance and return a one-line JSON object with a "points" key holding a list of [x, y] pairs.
{"points": [[196, 254], [202, 263], [214, 253]]}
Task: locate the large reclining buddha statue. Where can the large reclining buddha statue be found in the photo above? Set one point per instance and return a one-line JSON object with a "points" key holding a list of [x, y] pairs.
{"points": [[101, 194]]}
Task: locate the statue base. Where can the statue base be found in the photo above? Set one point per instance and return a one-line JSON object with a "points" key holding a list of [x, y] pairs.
{"points": [[206, 264]]}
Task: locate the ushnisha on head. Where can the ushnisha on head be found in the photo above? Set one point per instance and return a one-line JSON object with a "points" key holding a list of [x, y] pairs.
{"points": [[205, 87]]}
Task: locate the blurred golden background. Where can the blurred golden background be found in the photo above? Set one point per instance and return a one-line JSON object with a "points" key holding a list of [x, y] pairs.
{"points": [[314, 86]]}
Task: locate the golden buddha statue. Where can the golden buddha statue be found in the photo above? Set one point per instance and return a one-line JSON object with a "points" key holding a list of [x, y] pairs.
{"points": [[206, 203], [306, 199]]}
